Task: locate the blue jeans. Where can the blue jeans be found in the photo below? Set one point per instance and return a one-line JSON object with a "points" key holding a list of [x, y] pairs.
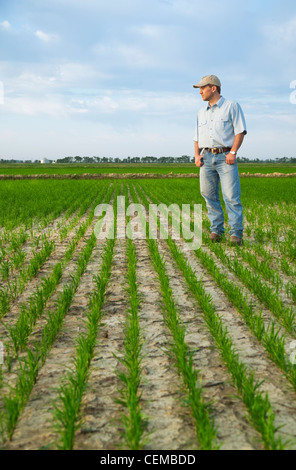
{"points": [[215, 170]]}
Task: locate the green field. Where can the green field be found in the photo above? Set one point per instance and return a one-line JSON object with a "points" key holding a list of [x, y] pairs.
{"points": [[32, 169], [139, 343]]}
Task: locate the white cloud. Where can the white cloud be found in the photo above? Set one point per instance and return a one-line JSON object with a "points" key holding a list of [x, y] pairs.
{"points": [[148, 30], [5, 25], [282, 32], [30, 106], [79, 73], [35, 82], [44, 36], [134, 56]]}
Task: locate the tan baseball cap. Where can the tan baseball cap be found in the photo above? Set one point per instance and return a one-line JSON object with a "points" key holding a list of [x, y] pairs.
{"points": [[208, 80]]}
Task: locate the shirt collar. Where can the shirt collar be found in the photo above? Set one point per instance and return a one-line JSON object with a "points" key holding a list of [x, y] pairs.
{"points": [[219, 103]]}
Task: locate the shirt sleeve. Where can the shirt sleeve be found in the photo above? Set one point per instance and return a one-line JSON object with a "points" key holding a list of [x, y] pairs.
{"points": [[238, 119]]}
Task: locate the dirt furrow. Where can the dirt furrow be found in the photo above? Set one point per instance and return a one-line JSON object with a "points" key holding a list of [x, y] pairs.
{"points": [[101, 428]]}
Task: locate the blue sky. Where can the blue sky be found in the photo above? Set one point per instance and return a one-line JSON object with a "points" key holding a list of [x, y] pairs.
{"points": [[114, 78]]}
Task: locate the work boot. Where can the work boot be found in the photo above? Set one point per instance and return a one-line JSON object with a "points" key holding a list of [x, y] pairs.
{"points": [[215, 237], [235, 240]]}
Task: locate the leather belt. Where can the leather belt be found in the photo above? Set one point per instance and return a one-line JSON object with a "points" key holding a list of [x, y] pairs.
{"points": [[217, 150]]}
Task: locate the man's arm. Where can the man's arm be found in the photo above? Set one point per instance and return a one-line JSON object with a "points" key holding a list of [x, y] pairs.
{"points": [[197, 156], [238, 140]]}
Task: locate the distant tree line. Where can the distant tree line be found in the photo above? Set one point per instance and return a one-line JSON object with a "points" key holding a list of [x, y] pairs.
{"points": [[147, 159]]}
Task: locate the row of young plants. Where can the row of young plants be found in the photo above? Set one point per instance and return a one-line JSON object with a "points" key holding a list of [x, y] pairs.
{"points": [[34, 357], [133, 420], [258, 405]]}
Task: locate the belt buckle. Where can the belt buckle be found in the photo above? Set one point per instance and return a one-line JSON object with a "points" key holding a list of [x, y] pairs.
{"points": [[215, 151]]}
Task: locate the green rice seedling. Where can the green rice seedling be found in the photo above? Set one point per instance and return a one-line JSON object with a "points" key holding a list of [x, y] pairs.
{"points": [[18, 258], [67, 417], [4, 301], [12, 411], [39, 258], [16, 400], [133, 420], [20, 332], [8, 357], [17, 240], [1, 376], [287, 268], [291, 290], [5, 270], [36, 242], [2, 254]]}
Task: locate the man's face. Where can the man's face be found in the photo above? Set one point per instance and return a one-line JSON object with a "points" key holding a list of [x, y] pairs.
{"points": [[207, 92]]}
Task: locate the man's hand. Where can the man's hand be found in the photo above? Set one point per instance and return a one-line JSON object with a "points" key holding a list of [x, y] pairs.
{"points": [[230, 159], [198, 160]]}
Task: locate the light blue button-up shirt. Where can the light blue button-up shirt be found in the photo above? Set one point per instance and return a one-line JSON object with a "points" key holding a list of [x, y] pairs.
{"points": [[217, 125]]}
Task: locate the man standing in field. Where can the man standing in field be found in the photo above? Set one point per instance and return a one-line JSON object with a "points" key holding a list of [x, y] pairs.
{"points": [[219, 133]]}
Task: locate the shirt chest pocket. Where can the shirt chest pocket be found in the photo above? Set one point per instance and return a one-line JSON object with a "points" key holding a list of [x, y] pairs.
{"points": [[202, 123], [223, 123]]}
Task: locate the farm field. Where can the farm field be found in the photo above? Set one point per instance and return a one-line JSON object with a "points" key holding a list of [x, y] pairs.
{"points": [[131, 342], [101, 168]]}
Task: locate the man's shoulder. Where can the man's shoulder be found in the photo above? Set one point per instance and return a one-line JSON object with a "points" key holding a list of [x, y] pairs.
{"points": [[229, 103]]}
